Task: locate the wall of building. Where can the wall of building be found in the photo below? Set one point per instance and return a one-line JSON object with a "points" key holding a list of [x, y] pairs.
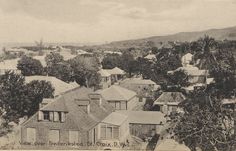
{"points": [[132, 103]]}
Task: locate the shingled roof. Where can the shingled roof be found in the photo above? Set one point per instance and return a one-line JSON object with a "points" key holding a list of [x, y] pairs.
{"points": [[116, 92], [76, 116], [170, 98]]}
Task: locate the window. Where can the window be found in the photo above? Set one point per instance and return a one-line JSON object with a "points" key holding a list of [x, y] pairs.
{"points": [[73, 136], [103, 131], [46, 115], [56, 116], [117, 104], [109, 133], [123, 105], [31, 135], [54, 136]]}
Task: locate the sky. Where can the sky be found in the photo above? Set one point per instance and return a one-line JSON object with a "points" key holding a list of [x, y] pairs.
{"points": [[99, 21]]}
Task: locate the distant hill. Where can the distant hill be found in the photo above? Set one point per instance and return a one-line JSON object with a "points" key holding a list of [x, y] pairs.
{"points": [[218, 34]]}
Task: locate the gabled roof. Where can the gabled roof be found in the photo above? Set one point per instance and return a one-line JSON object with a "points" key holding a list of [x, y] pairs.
{"points": [[171, 145], [170, 98], [115, 118], [55, 106], [115, 71], [144, 117], [138, 81], [76, 116], [150, 57], [59, 85], [104, 73], [115, 93], [192, 70]]}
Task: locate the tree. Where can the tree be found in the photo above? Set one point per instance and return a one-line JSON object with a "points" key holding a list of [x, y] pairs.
{"points": [[62, 71], [111, 61], [13, 98], [179, 78], [36, 92], [17, 99], [30, 66], [128, 63], [53, 58], [205, 123], [207, 46], [85, 70]]}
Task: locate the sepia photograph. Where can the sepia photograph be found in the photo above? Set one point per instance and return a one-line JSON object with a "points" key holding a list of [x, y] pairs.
{"points": [[118, 75]]}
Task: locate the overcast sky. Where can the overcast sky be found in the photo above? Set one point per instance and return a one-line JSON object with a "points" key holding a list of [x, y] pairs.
{"points": [[109, 20]]}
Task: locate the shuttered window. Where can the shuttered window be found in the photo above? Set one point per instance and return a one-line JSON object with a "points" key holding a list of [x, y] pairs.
{"points": [[63, 117], [109, 133], [31, 135], [116, 132], [40, 115], [73, 136], [123, 105], [51, 116], [103, 131], [56, 116], [54, 136]]}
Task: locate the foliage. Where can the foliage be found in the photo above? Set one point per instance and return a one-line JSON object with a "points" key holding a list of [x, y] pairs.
{"points": [[85, 70], [53, 58], [12, 96], [30, 66], [36, 91], [18, 99], [111, 61], [62, 71], [205, 123], [179, 78]]}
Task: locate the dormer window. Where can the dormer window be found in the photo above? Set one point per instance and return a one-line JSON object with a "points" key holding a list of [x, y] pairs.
{"points": [[54, 116], [84, 105], [46, 116]]}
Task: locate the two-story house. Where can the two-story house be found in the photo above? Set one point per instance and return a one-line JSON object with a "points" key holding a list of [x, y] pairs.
{"points": [[118, 97], [73, 118], [105, 79], [168, 102]]}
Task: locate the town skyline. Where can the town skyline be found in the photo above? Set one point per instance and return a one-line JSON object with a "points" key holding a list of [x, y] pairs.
{"points": [[105, 21]]}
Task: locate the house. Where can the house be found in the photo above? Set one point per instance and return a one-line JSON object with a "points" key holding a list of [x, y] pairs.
{"points": [[116, 74], [9, 65], [169, 102], [171, 145], [114, 127], [16, 51], [73, 118], [186, 59], [229, 103], [59, 85], [118, 97], [143, 87], [105, 79], [143, 123], [151, 57]]}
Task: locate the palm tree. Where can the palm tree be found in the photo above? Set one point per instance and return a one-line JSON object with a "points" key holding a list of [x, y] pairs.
{"points": [[206, 54]]}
